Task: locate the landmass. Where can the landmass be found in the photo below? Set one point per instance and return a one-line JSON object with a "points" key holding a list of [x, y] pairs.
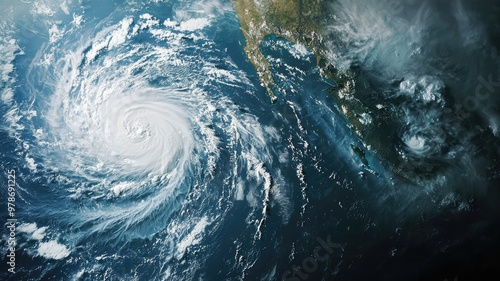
{"points": [[370, 118], [298, 21]]}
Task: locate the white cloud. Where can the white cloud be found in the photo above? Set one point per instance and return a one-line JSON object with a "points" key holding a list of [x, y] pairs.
{"points": [[53, 250], [194, 24]]}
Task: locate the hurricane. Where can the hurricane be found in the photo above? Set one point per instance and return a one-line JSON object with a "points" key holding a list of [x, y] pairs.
{"points": [[144, 145], [133, 127]]}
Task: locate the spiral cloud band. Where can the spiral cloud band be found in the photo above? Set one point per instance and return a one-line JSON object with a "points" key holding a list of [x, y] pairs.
{"points": [[132, 123]]}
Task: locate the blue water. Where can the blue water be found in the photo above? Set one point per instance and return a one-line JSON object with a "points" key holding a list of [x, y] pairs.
{"points": [[145, 148]]}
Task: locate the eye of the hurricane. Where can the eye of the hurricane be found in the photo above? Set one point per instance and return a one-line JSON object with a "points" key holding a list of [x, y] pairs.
{"points": [[138, 130], [416, 143], [149, 131]]}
